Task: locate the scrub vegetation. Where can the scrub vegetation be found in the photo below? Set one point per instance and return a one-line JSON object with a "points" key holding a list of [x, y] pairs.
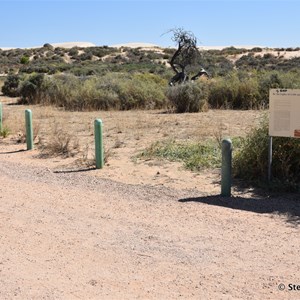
{"points": [[105, 78]]}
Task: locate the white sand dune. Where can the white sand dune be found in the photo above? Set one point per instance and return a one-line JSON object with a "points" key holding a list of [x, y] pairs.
{"points": [[248, 47], [73, 44], [149, 46], [55, 45], [136, 45]]}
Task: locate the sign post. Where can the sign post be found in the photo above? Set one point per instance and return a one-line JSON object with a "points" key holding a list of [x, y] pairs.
{"points": [[284, 121], [270, 158]]}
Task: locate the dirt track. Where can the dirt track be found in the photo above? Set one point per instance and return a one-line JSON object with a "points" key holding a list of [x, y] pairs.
{"points": [[77, 236]]}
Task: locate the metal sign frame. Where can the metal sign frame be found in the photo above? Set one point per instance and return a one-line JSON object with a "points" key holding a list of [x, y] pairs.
{"points": [[284, 120]]}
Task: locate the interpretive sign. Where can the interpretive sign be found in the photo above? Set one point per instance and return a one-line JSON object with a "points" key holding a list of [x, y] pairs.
{"points": [[284, 107]]}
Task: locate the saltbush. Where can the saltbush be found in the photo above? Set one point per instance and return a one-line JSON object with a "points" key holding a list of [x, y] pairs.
{"points": [[248, 90], [112, 91], [251, 160], [10, 86], [31, 89], [188, 97], [142, 91]]}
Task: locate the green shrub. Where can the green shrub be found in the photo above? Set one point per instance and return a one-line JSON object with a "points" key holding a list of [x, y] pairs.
{"points": [[223, 92], [113, 91], [249, 90], [232, 51], [142, 91], [188, 97], [247, 95], [267, 81], [11, 85], [237, 90], [31, 89], [24, 60], [73, 52], [251, 160]]}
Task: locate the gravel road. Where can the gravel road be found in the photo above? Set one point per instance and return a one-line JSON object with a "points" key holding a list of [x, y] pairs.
{"points": [[76, 236]]}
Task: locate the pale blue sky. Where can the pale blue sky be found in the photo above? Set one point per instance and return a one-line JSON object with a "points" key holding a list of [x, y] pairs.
{"points": [[215, 23]]}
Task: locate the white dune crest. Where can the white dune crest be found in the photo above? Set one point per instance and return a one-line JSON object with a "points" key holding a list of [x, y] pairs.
{"points": [[136, 45], [55, 45], [73, 44]]}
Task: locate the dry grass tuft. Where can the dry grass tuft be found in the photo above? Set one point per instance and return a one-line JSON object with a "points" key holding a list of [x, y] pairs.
{"points": [[59, 143]]}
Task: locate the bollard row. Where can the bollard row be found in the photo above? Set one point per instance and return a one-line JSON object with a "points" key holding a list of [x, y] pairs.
{"points": [[98, 133], [99, 150]]}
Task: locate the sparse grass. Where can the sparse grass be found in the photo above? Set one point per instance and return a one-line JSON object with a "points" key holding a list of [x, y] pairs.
{"points": [[19, 131], [15, 126], [120, 132], [2, 79], [5, 132], [195, 156], [60, 143], [108, 153]]}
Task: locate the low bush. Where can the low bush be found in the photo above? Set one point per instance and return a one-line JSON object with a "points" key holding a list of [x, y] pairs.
{"points": [[112, 91], [188, 97], [24, 60], [248, 90], [31, 89], [11, 85], [251, 160], [223, 92], [142, 91]]}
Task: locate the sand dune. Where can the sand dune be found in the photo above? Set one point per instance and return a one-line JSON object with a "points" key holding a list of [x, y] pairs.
{"points": [[73, 44], [248, 47], [136, 45], [133, 45], [149, 46], [61, 45]]}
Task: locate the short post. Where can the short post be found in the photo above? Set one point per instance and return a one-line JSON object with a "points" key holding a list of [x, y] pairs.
{"points": [[99, 153], [270, 150], [226, 168], [29, 130], [0, 116]]}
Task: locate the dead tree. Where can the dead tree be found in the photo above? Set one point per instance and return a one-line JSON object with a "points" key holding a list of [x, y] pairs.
{"points": [[187, 54]]}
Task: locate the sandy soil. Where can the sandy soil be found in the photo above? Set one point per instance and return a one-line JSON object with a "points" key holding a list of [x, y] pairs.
{"points": [[137, 229]]}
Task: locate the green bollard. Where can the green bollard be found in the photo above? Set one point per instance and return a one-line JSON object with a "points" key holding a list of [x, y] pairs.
{"points": [[226, 168], [29, 130], [99, 153], [0, 117]]}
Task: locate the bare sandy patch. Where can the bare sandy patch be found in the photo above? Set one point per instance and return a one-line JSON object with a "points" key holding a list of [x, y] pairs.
{"points": [[137, 229], [127, 134]]}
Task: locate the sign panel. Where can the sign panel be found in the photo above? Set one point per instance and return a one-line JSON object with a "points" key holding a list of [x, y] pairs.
{"points": [[284, 106]]}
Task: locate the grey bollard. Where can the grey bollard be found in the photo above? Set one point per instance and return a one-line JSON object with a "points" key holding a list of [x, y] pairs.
{"points": [[226, 168]]}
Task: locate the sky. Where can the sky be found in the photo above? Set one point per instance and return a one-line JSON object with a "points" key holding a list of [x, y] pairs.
{"points": [[267, 23]]}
